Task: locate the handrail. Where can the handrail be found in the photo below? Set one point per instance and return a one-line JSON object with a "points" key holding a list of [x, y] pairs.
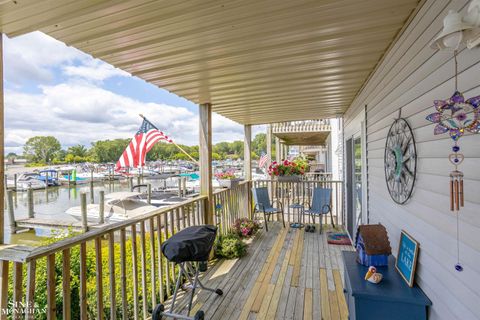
{"points": [[39, 252]]}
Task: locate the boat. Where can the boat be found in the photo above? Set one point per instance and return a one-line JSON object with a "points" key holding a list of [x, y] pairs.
{"points": [[119, 206], [26, 181], [49, 177], [69, 178]]}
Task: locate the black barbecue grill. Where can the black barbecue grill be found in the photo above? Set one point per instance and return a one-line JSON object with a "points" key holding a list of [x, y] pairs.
{"points": [[188, 248]]}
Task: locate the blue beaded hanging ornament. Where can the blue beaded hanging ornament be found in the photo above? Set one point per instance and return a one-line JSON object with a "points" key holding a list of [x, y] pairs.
{"points": [[456, 116]]}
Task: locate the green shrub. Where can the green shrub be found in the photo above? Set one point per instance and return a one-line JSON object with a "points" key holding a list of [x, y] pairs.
{"points": [[230, 246]]}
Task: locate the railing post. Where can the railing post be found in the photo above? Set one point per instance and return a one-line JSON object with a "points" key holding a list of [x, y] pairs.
{"points": [[247, 164], [205, 136]]}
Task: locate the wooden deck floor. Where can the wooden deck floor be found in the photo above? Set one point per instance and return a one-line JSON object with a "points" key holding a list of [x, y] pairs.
{"points": [[287, 274]]}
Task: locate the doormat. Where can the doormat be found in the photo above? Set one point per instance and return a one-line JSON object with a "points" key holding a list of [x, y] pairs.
{"points": [[339, 238]]}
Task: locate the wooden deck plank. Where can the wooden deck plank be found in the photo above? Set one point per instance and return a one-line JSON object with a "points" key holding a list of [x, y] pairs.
{"points": [[308, 305], [342, 304], [334, 311], [324, 295]]}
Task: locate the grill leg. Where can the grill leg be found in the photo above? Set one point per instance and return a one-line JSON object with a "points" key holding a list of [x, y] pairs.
{"points": [[177, 286]]}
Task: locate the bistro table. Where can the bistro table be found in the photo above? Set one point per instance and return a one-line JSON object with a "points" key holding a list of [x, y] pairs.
{"points": [[300, 210]]}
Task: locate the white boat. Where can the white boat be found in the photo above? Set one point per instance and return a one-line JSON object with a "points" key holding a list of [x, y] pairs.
{"points": [[97, 176], [119, 206], [26, 181]]}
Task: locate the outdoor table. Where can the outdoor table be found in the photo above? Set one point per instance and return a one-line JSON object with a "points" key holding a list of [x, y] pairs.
{"points": [[300, 209]]}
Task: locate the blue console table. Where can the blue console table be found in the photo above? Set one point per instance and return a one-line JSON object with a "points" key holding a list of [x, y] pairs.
{"points": [[391, 299]]}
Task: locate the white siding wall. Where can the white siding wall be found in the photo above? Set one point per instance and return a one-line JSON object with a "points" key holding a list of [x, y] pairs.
{"points": [[409, 78]]}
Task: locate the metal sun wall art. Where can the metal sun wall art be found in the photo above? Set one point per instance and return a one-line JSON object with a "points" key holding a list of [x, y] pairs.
{"points": [[400, 161], [456, 116]]}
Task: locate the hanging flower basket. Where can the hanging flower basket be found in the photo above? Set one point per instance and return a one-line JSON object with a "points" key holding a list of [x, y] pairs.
{"points": [[288, 171], [293, 178], [229, 183]]}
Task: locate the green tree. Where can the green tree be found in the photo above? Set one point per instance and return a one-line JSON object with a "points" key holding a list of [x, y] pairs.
{"points": [[41, 148], [11, 155], [108, 150], [259, 143], [78, 150]]}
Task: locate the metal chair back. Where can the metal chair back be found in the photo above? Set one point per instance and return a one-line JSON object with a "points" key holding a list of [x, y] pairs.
{"points": [[261, 198], [321, 200]]}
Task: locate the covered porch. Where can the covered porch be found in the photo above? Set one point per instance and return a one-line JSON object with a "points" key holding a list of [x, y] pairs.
{"points": [[263, 62]]}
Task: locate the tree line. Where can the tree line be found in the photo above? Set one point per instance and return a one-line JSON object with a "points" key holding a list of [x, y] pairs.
{"points": [[48, 150]]}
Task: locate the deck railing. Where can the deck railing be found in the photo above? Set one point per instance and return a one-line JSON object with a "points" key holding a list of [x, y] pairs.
{"points": [[231, 204], [117, 271], [301, 192], [301, 126]]}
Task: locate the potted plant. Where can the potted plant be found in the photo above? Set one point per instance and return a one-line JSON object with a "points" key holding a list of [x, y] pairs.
{"points": [[286, 170], [227, 179], [245, 227]]}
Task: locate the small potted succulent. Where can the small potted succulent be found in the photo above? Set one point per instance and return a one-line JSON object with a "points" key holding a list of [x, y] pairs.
{"points": [[286, 170], [227, 179]]}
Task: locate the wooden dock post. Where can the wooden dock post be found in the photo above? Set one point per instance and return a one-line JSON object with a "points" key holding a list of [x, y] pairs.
{"points": [[83, 205], [149, 193], [184, 186], [139, 180], [11, 215], [69, 178], [180, 186], [31, 213], [15, 182], [101, 206], [130, 183]]}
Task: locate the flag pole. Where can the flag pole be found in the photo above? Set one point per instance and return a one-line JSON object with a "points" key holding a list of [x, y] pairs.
{"points": [[176, 145]]}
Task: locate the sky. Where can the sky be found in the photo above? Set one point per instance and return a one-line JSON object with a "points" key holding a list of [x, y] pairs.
{"points": [[53, 89]]}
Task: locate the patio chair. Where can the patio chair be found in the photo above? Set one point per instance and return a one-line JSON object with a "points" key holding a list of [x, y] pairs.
{"points": [[321, 204], [263, 204]]}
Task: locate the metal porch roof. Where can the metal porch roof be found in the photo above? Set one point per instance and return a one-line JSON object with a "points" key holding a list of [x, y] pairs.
{"points": [[256, 61]]}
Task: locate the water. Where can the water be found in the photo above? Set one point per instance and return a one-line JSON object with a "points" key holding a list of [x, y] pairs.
{"points": [[54, 201]]}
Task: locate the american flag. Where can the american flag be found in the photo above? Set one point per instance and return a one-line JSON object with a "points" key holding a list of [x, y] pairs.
{"points": [[263, 160], [136, 152]]}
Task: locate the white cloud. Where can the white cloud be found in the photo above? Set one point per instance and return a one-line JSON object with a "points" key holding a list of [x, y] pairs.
{"points": [[31, 57], [95, 70]]}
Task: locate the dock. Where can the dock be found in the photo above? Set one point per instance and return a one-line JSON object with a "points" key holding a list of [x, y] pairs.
{"points": [[45, 223]]}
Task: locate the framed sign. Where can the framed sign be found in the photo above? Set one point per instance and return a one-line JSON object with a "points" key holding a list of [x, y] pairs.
{"points": [[407, 257]]}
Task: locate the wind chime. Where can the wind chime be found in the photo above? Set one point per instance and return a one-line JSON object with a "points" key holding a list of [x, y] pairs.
{"points": [[456, 116]]}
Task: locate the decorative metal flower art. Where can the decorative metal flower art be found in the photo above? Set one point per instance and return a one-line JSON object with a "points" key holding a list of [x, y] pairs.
{"points": [[456, 116]]}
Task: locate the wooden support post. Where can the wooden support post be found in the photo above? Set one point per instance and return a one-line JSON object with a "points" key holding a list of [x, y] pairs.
{"points": [[149, 193], [15, 182], [83, 206], [3, 181], [184, 186], [269, 146], [31, 212], [2, 144], [205, 136], [130, 183], [277, 149], [11, 215], [101, 206], [247, 152]]}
